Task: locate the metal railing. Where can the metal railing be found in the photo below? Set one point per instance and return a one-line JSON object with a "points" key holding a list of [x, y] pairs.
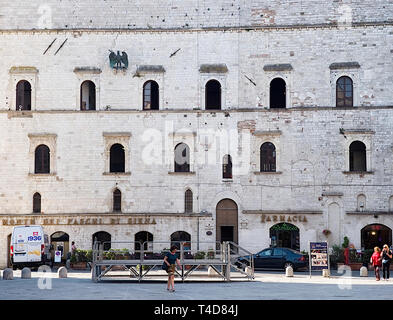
{"points": [[141, 258]]}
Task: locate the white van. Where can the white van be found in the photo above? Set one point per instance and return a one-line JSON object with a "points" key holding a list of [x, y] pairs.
{"points": [[29, 247]]}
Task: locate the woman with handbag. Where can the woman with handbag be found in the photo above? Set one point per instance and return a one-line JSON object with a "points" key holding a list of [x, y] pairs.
{"points": [[376, 260], [386, 259], [170, 260]]}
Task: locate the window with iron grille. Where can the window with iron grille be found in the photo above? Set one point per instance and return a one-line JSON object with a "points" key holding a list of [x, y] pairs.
{"points": [[344, 92], [268, 157], [42, 159], [188, 201], [227, 167]]}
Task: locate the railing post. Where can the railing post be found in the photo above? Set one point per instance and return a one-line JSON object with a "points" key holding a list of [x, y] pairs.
{"points": [[182, 260], [228, 271]]}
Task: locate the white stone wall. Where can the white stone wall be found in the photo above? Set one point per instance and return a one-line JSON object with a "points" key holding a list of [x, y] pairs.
{"points": [[312, 154]]}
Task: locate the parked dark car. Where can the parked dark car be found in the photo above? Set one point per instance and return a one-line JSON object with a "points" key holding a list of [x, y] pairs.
{"points": [[275, 258]]}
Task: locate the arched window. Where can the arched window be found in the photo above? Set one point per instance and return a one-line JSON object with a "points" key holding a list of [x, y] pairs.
{"points": [[179, 237], [268, 157], [42, 159], [213, 95], [150, 96], [344, 92], [182, 158], [23, 95], [36, 203], [285, 235], [357, 156], [117, 158], [277, 93], [188, 201], [104, 238], [227, 167], [88, 95], [117, 200]]}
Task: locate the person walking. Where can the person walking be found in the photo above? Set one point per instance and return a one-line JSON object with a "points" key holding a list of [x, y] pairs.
{"points": [[376, 261], [170, 259], [386, 259]]}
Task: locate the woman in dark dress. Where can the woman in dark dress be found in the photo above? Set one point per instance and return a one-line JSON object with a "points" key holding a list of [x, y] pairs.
{"points": [[386, 259], [171, 258]]}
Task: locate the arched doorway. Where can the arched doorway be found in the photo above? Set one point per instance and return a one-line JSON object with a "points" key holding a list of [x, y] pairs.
{"points": [[179, 237], [285, 235], [145, 238], [61, 242], [103, 237], [227, 221], [88, 95], [376, 235], [23, 95]]}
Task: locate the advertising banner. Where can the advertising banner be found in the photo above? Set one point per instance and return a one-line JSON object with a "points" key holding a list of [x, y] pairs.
{"points": [[319, 256]]}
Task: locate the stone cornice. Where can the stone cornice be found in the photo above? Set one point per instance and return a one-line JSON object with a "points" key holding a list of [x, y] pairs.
{"points": [[276, 212]]}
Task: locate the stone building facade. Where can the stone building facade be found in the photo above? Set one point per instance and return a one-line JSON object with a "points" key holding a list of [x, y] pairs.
{"points": [[318, 186]]}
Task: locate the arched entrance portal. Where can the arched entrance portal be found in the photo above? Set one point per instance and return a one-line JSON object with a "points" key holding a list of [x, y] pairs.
{"points": [[103, 237], [226, 221], [285, 235], [61, 242], [181, 236], [376, 235]]}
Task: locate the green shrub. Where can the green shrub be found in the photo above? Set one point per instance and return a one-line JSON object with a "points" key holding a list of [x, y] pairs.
{"points": [[200, 255], [345, 243], [210, 254], [367, 255]]}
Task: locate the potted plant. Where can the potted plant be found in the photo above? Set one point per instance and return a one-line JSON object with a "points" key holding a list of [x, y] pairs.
{"points": [[326, 232]]}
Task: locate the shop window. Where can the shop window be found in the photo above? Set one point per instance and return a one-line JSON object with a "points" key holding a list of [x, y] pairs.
{"points": [[285, 235], [182, 158], [277, 93], [188, 201], [117, 200], [42, 162], [213, 95], [88, 95], [227, 167], [36, 203], [23, 95], [104, 238], [150, 96], [357, 156], [117, 158], [344, 92], [268, 157]]}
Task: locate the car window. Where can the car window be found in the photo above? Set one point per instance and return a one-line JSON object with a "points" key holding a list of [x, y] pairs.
{"points": [[278, 252], [265, 253]]}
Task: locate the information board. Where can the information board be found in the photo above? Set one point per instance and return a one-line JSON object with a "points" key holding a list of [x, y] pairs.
{"points": [[319, 256]]}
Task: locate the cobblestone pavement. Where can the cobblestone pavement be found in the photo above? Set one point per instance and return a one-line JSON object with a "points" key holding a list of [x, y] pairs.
{"points": [[267, 285]]}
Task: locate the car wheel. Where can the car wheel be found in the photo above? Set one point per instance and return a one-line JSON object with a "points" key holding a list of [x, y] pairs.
{"points": [[289, 264]]}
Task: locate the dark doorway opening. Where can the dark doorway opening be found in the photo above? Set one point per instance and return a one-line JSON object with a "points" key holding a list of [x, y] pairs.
{"points": [[213, 95], [376, 235], [23, 95]]}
